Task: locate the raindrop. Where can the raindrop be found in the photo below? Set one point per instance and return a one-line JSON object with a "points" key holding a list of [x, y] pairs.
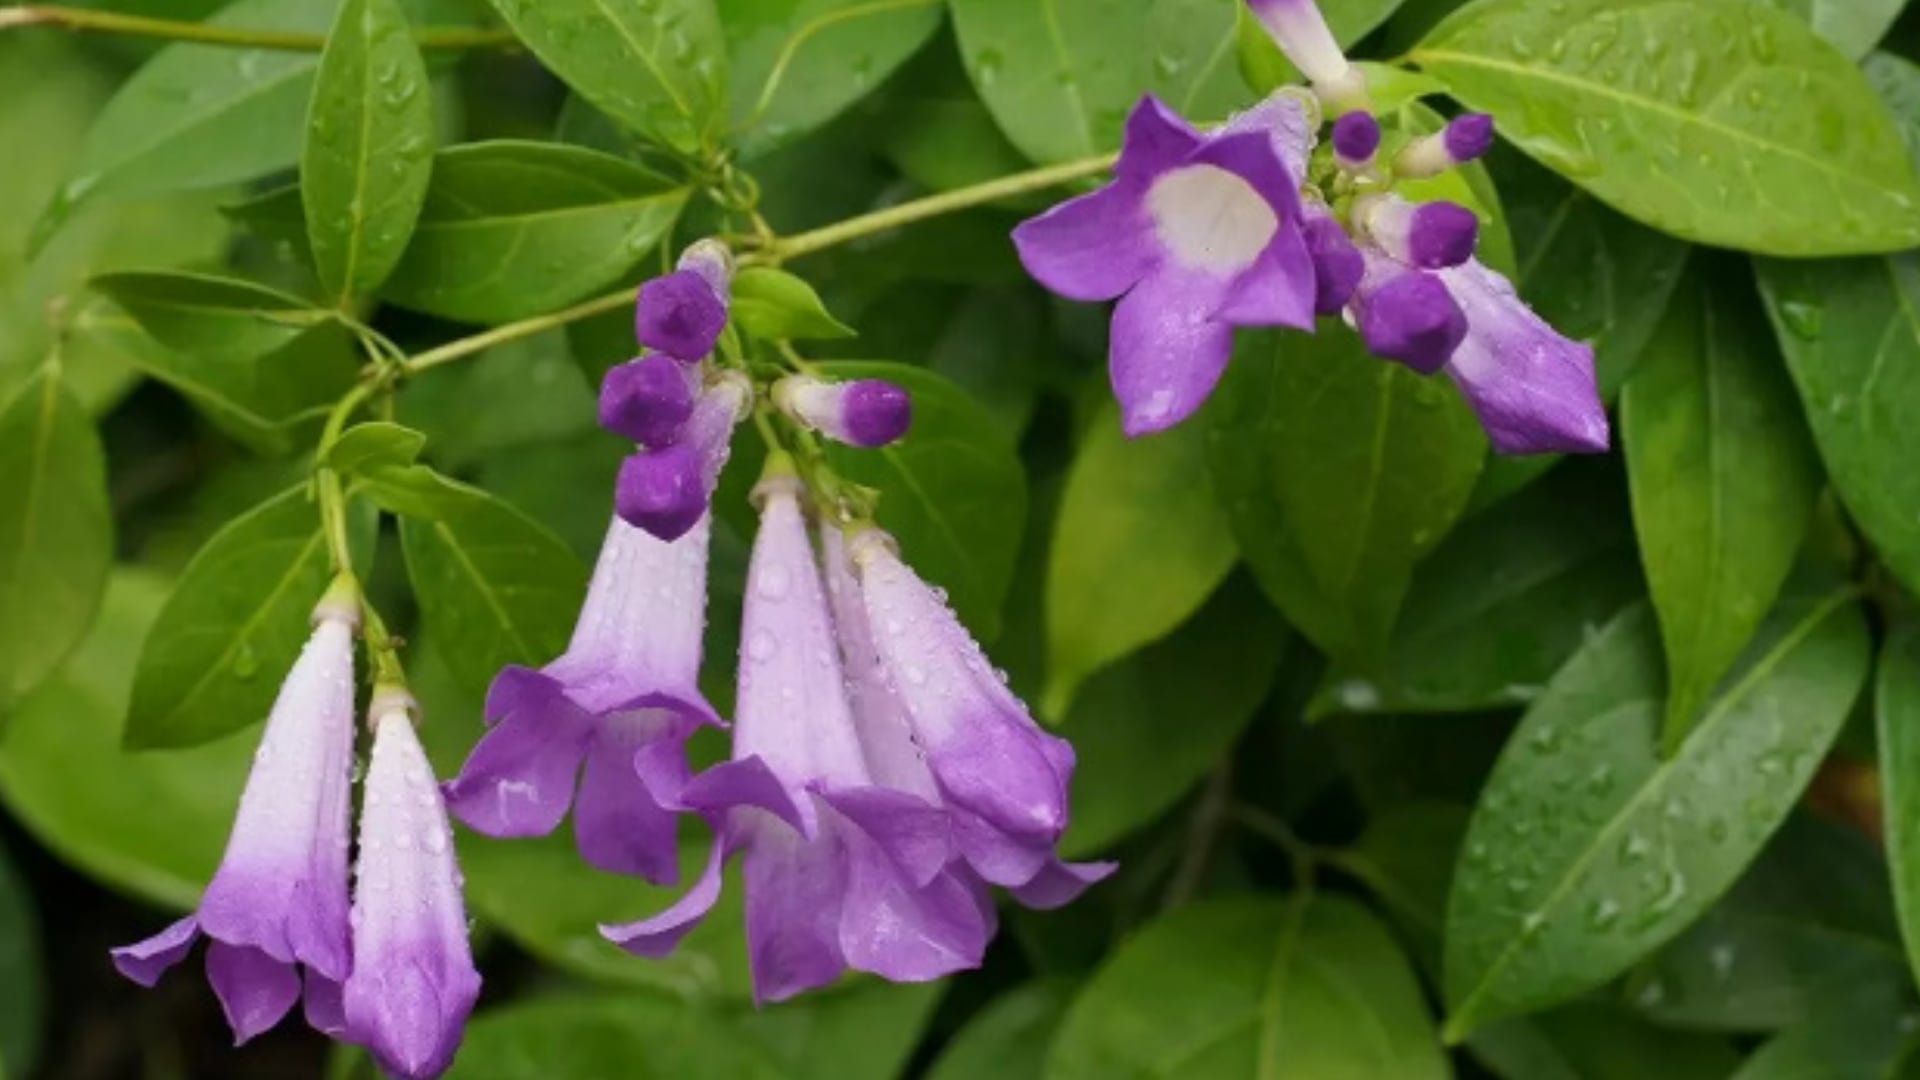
{"points": [[762, 645], [1802, 317]]}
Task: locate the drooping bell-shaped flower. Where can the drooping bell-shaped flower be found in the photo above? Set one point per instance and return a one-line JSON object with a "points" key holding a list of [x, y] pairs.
{"points": [[1195, 235], [1465, 138], [682, 314], [413, 980], [1533, 389], [862, 412], [841, 869], [1001, 778], [649, 399], [611, 716], [665, 489], [1302, 34], [278, 902], [1406, 314]]}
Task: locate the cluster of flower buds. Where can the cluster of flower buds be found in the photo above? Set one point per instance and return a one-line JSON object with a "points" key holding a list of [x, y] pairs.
{"points": [[1256, 224], [393, 971], [882, 777]]}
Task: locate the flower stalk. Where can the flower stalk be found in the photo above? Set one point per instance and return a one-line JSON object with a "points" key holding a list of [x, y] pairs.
{"points": [[114, 22]]}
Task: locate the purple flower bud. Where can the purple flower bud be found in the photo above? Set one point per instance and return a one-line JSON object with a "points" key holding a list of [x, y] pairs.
{"points": [[1464, 139], [648, 399], [660, 491], [680, 315], [1337, 264], [864, 412], [1469, 136], [1356, 136], [1430, 236], [1408, 316]]}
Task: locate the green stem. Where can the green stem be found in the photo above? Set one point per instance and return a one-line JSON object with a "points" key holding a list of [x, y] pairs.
{"points": [[514, 331], [333, 496], [947, 202], [114, 22]]}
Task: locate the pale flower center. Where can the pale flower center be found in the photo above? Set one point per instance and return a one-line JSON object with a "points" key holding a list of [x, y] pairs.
{"points": [[1210, 219]]}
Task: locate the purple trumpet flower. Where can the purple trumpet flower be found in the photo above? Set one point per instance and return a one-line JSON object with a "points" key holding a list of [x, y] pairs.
{"points": [[683, 313], [841, 870], [864, 412], [1195, 235], [413, 980], [613, 713], [279, 900], [665, 489], [1533, 389], [1002, 780]]}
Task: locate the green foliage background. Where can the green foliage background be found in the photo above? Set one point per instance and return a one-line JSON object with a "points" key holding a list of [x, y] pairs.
{"points": [[1419, 762]]}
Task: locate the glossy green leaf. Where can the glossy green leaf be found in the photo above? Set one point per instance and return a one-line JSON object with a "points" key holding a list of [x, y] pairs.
{"points": [[1501, 603], [372, 445], [860, 1032], [1008, 1039], [1850, 1039], [1252, 987], [199, 116], [1853, 26], [512, 229], [494, 586], [219, 317], [260, 401], [1338, 472], [152, 825], [1588, 849], [369, 147], [1807, 925], [1897, 714], [659, 68], [1897, 80], [1061, 75], [1723, 479], [1716, 120], [952, 491], [796, 64], [776, 305], [56, 529], [531, 392], [1851, 334], [1137, 548], [233, 626], [1149, 728], [1594, 1042]]}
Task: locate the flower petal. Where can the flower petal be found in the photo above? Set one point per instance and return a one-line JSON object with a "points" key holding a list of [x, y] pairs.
{"points": [[902, 931], [255, 990], [620, 823], [657, 936], [519, 778], [794, 891], [1094, 247], [1279, 289], [746, 782], [915, 835], [1060, 883], [1533, 388], [1156, 139], [1167, 351], [145, 961], [886, 738]]}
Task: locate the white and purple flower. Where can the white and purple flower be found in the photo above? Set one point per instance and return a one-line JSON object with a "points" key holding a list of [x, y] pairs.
{"points": [[1196, 235], [864, 412], [413, 982], [842, 869]]}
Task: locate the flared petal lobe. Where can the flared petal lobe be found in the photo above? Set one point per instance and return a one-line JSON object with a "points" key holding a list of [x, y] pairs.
{"points": [[1534, 389], [413, 981]]}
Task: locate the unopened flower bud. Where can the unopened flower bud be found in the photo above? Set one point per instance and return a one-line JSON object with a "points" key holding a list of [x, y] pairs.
{"points": [[1356, 137], [1407, 315], [1430, 236], [682, 313], [1464, 139], [647, 400], [864, 412]]}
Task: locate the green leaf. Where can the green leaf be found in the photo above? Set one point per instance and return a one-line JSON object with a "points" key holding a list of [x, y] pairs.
{"points": [[1716, 120], [776, 305], [952, 492], [1594, 1042], [1193, 62], [1252, 987], [1723, 479], [1406, 858], [1008, 1039], [152, 825], [860, 1032], [1137, 548], [1850, 1039], [369, 147], [1785, 943], [1266, 69], [512, 229], [1897, 714], [1338, 472], [258, 400], [1851, 334], [494, 586], [1853, 26], [796, 64], [1588, 848], [1147, 729], [659, 68], [233, 626], [223, 318], [1897, 81], [56, 529], [1501, 604], [374, 445], [22, 990], [200, 116]]}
